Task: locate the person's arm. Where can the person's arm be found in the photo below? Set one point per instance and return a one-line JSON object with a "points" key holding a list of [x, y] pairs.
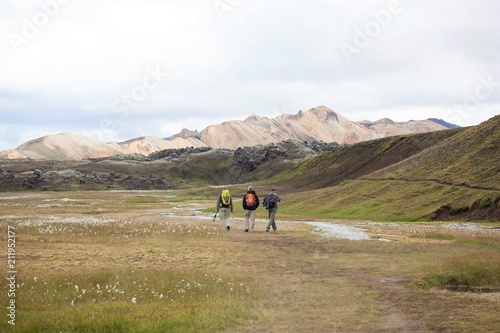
{"points": [[231, 203], [278, 199], [218, 203]]}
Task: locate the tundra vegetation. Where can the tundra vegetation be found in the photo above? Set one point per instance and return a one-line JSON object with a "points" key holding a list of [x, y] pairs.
{"points": [[153, 261]]}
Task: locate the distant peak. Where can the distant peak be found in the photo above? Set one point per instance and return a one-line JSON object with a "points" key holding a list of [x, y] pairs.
{"points": [[185, 133], [321, 112], [254, 118], [444, 123], [385, 121]]}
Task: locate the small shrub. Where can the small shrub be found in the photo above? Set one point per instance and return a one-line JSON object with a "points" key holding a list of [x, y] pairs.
{"points": [[472, 270], [434, 235], [486, 202]]}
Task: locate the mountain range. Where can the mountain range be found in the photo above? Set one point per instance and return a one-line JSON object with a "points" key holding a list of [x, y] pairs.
{"points": [[449, 174], [316, 124]]}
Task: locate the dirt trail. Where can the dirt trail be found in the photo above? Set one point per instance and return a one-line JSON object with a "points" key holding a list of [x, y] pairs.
{"points": [[436, 182], [309, 291], [319, 284]]}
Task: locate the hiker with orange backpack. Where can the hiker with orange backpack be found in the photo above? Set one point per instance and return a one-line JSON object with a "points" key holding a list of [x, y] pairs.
{"points": [[250, 204]]}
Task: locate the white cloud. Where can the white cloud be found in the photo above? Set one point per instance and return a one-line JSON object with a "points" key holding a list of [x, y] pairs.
{"points": [[265, 57]]}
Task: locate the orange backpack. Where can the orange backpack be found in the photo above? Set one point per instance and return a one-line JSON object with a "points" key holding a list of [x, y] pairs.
{"points": [[250, 199]]}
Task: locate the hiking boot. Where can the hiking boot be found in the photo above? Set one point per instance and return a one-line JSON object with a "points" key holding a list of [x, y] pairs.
{"points": [[267, 230], [228, 228], [246, 230]]}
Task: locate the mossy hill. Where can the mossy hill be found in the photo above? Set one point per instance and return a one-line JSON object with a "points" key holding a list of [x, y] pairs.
{"points": [[470, 158], [354, 161]]}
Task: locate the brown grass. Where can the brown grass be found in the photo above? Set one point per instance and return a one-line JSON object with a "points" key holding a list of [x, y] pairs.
{"points": [[294, 281]]}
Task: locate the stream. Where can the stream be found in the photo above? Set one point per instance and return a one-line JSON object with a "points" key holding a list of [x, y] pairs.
{"points": [[324, 229]]}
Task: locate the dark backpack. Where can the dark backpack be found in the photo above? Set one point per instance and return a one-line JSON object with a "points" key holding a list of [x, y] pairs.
{"points": [[250, 200], [270, 201]]}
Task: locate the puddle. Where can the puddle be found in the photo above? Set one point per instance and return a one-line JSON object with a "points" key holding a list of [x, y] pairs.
{"points": [[465, 225], [326, 229]]}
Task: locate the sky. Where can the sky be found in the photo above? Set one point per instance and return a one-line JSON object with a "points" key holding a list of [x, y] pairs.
{"points": [[116, 70]]}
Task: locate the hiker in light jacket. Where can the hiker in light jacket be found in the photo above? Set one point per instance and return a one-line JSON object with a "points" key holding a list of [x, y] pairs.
{"points": [[271, 203], [250, 204], [225, 208]]}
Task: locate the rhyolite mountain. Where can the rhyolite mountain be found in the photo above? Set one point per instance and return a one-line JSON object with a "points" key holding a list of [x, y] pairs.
{"points": [[317, 124], [69, 146]]}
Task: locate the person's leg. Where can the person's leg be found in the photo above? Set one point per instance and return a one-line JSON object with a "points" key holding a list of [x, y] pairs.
{"points": [[253, 213], [222, 221], [270, 223], [224, 218], [272, 216], [247, 219], [227, 219]]}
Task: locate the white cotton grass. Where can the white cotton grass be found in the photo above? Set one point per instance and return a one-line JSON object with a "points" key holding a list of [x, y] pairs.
{"points": [[132, 287], [93, 226]]}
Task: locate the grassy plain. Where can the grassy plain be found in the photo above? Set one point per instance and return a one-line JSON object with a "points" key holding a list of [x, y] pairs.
{"points": [[153, 261]]}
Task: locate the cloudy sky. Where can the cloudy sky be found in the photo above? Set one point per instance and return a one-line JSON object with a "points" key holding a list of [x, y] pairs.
{"points": [[116, 70]]}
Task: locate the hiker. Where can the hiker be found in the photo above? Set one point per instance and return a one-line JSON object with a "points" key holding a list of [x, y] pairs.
{"points": [[250, 204], [271, 203], [225, 206]]}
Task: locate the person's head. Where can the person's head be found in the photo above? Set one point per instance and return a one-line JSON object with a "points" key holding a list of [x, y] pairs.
{"points": [[224, 188], [250, 188], [273, 190]]}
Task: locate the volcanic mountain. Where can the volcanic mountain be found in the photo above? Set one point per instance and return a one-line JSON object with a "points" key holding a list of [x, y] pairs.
{"points": [[68, 146], [317, 124]]}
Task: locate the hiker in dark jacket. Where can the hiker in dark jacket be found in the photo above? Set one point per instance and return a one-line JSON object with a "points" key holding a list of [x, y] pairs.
{"points": [[271, 203], [250, 204]]}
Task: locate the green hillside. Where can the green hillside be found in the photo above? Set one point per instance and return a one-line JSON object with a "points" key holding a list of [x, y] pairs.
{"points": [[354, 161], [386, 200], [471, 158]]}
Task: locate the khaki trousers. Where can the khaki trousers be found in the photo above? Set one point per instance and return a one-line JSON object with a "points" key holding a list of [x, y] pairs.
{"points": [[250, 219]]}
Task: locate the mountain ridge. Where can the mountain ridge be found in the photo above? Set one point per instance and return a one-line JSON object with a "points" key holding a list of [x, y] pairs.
{"points": [[317, 124]]}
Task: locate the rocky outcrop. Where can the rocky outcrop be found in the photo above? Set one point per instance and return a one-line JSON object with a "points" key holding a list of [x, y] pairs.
{"points": [[185, 133], [250, 158], [172, 154], [479, 211], [71, 179]]}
